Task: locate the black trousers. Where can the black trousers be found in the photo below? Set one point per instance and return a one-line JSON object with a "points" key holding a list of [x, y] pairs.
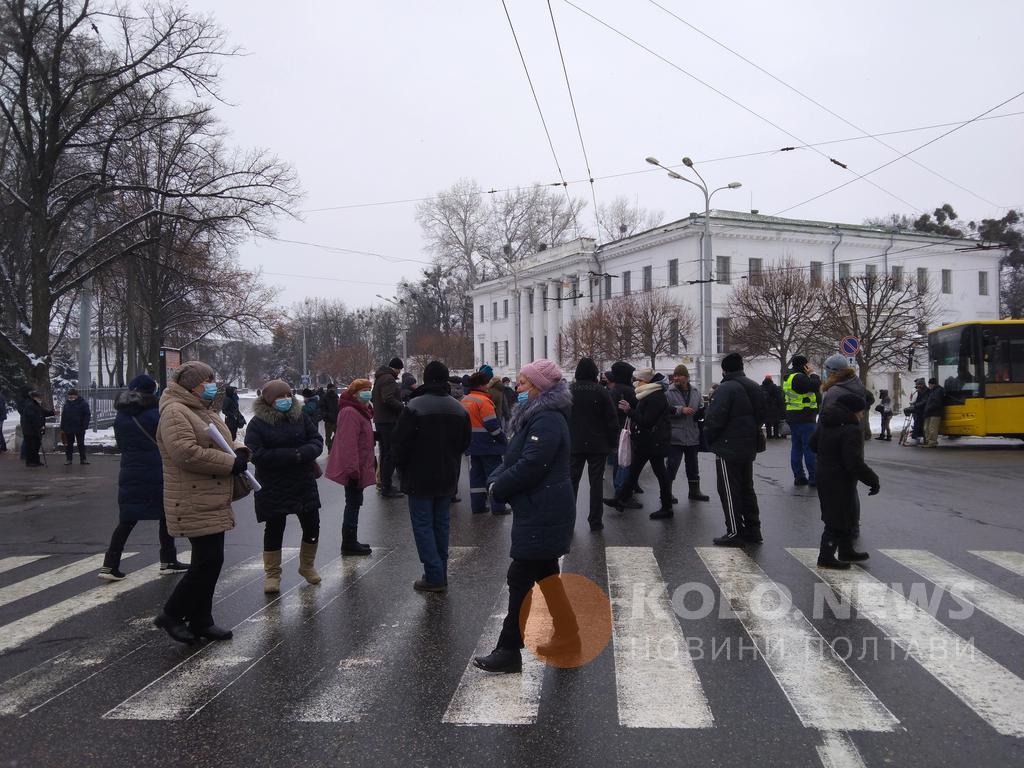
{"points": [[773, 429], [273, 531], [886, 431], [69, 445], [168, 552], [686, 455], [328, 434], [522, 575], [660, 471], [32, 445], [353, 501], [736, 490], [192, 598], [595, 463], [387, 464]]}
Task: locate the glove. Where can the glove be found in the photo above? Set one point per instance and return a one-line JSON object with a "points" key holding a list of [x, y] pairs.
{"points": [[308, 453], [239, 465], [874, 490], [244, 453]]}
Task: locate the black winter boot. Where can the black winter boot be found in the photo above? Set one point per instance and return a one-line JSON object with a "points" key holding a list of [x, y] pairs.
{"points": [[848, 554], [827, 554], [695, 493], [350, 545]]}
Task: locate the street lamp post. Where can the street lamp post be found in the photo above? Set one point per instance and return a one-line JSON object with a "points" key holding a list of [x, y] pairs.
{"points": [[706, 266]]}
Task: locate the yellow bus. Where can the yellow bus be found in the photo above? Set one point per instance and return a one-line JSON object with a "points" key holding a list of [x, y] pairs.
{"points": [[980, 364]]}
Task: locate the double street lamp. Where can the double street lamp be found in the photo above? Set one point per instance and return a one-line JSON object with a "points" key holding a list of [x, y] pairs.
{"points": [[708, 372]]}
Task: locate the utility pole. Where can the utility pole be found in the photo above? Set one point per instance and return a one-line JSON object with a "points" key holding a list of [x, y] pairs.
{"points": [[85, 314]]}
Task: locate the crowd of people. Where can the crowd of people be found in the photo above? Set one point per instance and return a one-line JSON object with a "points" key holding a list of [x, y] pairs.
{"points": [[527, 445]]}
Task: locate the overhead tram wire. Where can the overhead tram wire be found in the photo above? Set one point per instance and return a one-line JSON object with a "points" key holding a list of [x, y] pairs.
{"points": [[703, 161], [813, 101], [905, 154], [536, 101], [730, 99], [576, 117]]}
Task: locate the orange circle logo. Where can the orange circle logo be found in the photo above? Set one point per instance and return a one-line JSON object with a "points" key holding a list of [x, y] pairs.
{"points": [[566, 620]]}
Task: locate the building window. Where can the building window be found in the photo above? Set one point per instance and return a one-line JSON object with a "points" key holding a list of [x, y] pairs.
{"points": [[608, 287], [533, 355], [922, 279], [897, 276], [495, 358], [816, 272], [590, 283], [575, 291], [481, 313], [947, 281], [504, 308], [483, 356], [545, 346], [721, 334], [723, 266], [494, 310], [529, 300], [844, 270], [673, 337], [983, 283], [504, 357], [559, 295], [626, 283], [673, 271], [754, 271], [648, 279], [870, 270], [544, 299]]}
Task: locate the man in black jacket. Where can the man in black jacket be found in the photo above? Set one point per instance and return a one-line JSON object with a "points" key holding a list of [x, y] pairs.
{"points": [[594, 427], [933, 407], [33, 421], [732, 427], [387, 407], [624, 399], [329, 409], [432, 433]]}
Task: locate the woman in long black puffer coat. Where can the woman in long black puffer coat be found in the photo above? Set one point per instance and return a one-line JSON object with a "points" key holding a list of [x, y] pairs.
{"points": [[285, 444], [140, 483], [839, 443]]}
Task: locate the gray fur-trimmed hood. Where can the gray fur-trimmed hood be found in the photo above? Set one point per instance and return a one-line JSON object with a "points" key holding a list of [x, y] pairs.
{"points": [[271, 415]]}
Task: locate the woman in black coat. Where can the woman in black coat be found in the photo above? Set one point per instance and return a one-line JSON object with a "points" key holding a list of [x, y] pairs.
{"points": [[285, 444], [839, 443], [233, 417], [534, 479], [650, 437], [140, 482], [594, 427]]}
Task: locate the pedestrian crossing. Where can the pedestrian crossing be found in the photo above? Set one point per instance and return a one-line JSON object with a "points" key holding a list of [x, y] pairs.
{"points": [[659, 681]]}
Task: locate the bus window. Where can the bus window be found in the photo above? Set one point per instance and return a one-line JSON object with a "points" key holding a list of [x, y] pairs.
{"points": [[1003, 351], [953, 361]]}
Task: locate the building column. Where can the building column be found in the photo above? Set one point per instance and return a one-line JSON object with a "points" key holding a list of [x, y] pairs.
{"points": [[554, 318], [538, 326], [568, 310], [523, 350]]}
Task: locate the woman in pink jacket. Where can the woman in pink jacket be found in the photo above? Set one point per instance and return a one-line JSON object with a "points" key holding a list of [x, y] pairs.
{"points": [[352, 462]]}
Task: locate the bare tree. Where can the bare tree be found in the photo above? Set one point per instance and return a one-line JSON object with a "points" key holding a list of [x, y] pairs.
{"points": [[660, 325], [620, 218], [778, 315], [453, 223], [886, 314]]}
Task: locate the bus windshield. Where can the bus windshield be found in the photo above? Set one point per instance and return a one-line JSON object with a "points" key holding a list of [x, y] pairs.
{"points": [[954, 361]]}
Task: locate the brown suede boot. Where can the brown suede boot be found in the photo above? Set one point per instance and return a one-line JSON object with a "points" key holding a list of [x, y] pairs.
{"points": [[307, 554], [272, 569]]}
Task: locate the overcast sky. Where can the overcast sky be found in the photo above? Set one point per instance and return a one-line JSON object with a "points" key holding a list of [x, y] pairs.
{"points": [[385, 101]]}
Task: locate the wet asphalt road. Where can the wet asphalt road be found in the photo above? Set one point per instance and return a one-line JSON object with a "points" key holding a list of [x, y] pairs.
{"points": [[79, 693]]}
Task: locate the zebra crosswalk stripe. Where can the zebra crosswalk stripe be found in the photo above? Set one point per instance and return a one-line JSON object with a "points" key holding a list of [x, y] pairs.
{"points": [[656, 684], [984, 685], [36, 584], [1011, 561], [484, 698], [36, 687], [28, 627], [184, 690], [822, 689], [10, 563], [1000, 605], [349, 693]]}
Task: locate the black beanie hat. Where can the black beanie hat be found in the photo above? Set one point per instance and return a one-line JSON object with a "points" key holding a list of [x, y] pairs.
{"points": [[396, 363], [854, 403], [732, 363], [435, 373], [586, 370], [798, 362]]}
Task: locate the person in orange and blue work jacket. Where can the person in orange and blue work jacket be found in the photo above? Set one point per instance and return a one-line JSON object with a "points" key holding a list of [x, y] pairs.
{"points": [[487, 445]]}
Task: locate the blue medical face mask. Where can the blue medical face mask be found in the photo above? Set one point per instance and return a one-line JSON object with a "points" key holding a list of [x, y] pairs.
{"points": [[365, 395], [209, 391], [283, 404], [522, 397]]}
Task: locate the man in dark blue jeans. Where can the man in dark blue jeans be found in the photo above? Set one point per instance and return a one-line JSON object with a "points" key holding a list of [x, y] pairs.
{"points": [[800, 387], [432, 433]]}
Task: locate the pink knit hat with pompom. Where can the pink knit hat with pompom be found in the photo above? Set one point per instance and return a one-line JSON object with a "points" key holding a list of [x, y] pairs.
{"points": [[543, 374]]}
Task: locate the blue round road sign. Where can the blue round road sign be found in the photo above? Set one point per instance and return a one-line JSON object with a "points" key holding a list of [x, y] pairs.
{"points": [[850, 346]]}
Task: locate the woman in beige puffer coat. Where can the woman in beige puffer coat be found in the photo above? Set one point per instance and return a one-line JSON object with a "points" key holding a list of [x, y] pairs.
{"points": [[198, 487]]}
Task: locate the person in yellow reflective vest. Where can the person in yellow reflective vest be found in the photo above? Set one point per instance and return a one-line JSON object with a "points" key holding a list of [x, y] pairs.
{"points": [[800, 388]]}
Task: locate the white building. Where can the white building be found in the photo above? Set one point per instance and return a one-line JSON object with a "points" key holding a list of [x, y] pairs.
{"points": [[668, 257]]}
